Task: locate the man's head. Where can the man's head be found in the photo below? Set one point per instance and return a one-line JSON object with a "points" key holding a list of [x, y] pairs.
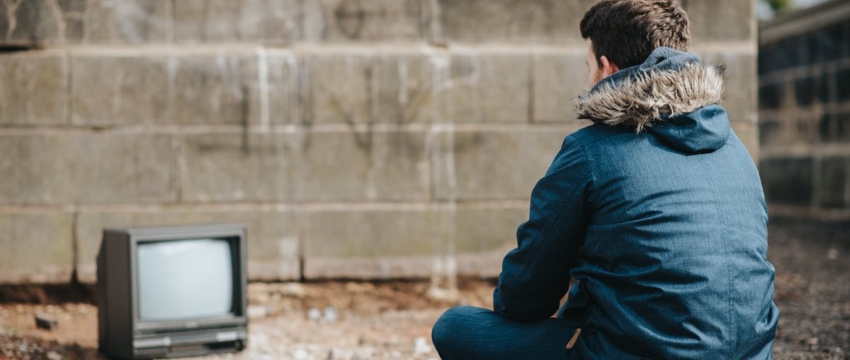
{"points": [[623, 33]]}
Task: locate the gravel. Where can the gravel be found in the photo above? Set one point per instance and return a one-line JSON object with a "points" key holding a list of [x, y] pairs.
{"points": [[392, 320]]}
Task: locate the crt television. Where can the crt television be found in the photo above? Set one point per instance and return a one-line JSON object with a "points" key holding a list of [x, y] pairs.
{"points": [[172, 291]]}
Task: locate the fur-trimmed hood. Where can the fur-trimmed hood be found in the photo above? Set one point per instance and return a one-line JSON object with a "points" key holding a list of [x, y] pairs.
{"points": [[672, 95]]}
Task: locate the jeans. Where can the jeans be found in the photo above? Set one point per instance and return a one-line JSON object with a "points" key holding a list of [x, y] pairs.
{"points": [[469, 333]]}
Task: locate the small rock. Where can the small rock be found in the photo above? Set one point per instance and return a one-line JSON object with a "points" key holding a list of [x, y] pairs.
{"points": [[832, 254], [812, 341], [330, 314], [421, 347], [45, 322], [293, 289], [442, 294], [299, 354], [260, 298], [259, 287], [314, 314], [255, 312], [54, 356], [359, 288], [364, 354], [339, 354]]}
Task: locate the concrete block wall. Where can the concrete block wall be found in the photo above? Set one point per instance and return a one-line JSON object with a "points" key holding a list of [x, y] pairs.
{"points": [[356, 138], [804, 91]]}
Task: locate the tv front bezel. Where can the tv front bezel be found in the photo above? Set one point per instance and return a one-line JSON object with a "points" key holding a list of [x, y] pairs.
{"points": [[192, 232]]}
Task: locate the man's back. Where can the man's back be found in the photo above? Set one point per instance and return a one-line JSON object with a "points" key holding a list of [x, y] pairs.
{"points": [[661, 219], [674, 259], [656, 209]]}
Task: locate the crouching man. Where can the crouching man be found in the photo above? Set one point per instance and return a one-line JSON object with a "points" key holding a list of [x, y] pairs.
{"points": [[656, 210]]}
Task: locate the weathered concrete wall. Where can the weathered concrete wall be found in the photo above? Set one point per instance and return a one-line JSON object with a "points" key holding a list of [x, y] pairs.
{"points": [[804, 91], [358, 138]]}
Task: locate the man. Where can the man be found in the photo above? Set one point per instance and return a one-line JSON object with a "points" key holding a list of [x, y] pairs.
{"points": [[656, 210]]}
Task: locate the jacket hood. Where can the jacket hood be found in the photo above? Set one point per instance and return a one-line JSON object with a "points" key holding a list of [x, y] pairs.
{"points": [[672, 95]]}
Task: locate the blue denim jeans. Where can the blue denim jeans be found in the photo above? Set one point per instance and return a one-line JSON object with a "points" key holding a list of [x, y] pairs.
{"points": [[470, 333]]}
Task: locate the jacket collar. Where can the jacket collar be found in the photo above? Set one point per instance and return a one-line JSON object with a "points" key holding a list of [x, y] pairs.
{"points": [[669, 83]]}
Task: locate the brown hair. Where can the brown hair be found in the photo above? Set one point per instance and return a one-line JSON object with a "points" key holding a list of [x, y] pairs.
{"points": [[627, 31]]}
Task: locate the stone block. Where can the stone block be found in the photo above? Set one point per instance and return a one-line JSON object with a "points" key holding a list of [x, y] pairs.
{"points": [[834, 128], [209, 89], [787, 181], [496, 165], [481, 228], [405, 89], [558, 79], [87, 168], [483, 236], [842, 127], [269, 22], [805, 91], [358, 88], [332, 166], [538, 21], [119, 89], [34, 168], [270, 79], [234, 167], [85, 21], [202, 21], [338, 88], [767, 130], [75, 26], [409, 242], [783, 130], [827, 125], [369, 243], [779, 56], [364, 20], [34, 90], [134, 22], [834, 185], [195, 88], [740, 99], [825, 92], [491, 88], [37, 247], [771, 95], [842, 80], [721, 20], [823, 45], [27, 23], [120, 168], [273, 245], [401, 167]]}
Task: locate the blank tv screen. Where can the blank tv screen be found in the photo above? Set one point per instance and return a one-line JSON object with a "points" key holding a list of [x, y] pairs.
{"points": [[184, 279]]}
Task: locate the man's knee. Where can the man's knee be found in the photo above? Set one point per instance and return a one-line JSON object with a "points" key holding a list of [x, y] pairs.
{"points": [[454, 322]]}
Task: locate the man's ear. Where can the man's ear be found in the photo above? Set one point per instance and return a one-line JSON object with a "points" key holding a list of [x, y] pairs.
{"points": [[608, 67]]}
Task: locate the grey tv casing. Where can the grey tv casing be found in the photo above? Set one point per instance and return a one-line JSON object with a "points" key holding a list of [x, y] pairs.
{"points": [[122, 334]]}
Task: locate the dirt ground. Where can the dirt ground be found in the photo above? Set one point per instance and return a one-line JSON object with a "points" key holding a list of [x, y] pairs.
{"points": [[392, 320]]}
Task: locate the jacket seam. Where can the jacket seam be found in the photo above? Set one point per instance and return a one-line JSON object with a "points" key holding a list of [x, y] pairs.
{"points": [[729, 304]]}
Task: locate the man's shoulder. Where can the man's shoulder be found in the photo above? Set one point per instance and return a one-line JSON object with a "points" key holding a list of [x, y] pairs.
{"points": [[593, 133]]}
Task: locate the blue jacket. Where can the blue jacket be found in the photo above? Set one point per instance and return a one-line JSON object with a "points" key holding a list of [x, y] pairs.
{"points": [[658, 211]]}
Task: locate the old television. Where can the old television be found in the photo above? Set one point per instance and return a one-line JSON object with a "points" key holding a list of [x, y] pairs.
{"points": [[172, 291]]}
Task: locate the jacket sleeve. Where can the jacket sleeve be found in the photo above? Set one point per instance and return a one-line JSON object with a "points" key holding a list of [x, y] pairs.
{"points": [[535, 275]]}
